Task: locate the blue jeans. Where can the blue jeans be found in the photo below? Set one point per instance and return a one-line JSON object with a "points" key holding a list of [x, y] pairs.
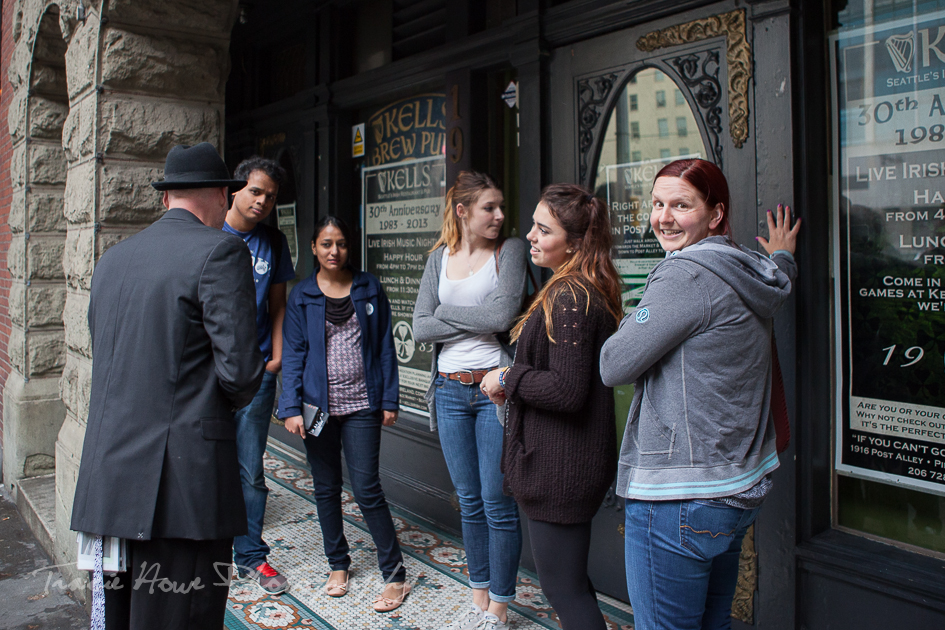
{"points": [[471, 437], [682, 562], [360, 435], [252, 431]]}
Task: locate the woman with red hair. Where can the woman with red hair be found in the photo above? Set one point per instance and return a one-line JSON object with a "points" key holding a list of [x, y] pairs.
{"points": [[560, 451], [699, 447]]}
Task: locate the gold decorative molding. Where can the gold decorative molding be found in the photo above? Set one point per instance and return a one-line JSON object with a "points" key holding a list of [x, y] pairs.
{"points": [[738, 56], [743, 604]]}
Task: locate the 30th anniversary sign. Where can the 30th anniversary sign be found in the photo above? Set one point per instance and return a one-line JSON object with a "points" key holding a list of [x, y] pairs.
{"points": [[889, 85]]}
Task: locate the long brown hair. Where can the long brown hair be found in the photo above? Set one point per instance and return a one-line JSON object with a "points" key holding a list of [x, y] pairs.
{"points": [[469, 185], [586, 221]]}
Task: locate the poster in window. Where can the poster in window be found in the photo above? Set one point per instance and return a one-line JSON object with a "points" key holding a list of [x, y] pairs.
{"points": [[403, 213], [888, 83]]}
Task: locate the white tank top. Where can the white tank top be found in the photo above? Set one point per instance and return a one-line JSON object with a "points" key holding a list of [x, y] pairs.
{"points": [[481, 351]]}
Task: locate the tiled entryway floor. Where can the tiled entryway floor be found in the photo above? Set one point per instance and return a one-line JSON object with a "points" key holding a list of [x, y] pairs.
{"points": [[435, 568]]}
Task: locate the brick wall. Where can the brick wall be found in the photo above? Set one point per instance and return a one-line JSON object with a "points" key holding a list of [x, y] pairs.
{"points": [[6, 50]]}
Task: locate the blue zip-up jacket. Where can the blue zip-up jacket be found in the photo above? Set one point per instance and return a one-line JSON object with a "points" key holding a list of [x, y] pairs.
{"points": [[304, 367]]}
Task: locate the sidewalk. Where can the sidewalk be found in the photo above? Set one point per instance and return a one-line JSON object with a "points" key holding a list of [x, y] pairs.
{"points": [[33, 593], [34, 596], [435, 567]]}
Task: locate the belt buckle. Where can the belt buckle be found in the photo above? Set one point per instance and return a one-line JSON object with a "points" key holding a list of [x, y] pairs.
{"points": [[462, 373]]}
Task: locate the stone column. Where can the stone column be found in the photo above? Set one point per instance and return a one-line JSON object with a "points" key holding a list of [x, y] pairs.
{"points": [[144, 75], [32, 408]]}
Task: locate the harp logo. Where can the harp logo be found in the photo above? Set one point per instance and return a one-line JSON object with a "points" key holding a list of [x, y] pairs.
{"points": [[901, 50]]}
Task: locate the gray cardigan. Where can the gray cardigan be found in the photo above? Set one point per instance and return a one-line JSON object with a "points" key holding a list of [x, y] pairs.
{"points": [[441, 323]]}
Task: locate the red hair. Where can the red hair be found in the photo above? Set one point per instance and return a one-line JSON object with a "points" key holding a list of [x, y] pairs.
{"points": [[705, 177]]}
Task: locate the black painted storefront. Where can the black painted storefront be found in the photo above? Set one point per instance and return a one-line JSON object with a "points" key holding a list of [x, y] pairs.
{"points": [[304, 72]]}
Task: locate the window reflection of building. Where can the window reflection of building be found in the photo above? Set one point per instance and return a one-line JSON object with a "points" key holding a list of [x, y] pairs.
{"points": [[646, 125]]}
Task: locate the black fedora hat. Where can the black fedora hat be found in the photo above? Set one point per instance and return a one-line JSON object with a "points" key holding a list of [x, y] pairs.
{"points": [[199, 166]]}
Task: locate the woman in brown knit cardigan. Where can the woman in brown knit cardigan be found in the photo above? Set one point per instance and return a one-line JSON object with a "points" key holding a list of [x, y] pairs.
{"points": [[560, 449]]}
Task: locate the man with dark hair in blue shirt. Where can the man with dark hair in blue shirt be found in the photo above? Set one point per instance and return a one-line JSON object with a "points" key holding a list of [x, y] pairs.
{"points": [[272, 268]]}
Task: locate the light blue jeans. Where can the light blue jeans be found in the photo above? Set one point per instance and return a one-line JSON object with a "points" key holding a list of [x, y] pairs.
{"points": [[471, 437], [682, 562], [252, 432]]}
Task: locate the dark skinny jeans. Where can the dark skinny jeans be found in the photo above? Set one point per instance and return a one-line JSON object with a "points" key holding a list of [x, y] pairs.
{"points": [[360, 436]]}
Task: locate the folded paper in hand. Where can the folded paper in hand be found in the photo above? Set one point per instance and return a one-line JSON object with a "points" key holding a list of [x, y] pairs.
{"points": [[313, 418]]}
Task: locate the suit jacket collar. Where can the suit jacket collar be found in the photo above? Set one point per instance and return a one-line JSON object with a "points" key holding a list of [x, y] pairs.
{"points": [[180, 213]]}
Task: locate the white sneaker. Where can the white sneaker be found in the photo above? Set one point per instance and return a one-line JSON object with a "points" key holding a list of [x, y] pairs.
{"points": [[491, 622], [468, 620]]}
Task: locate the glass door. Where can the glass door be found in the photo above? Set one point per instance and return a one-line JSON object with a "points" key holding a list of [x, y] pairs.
{"points": [[623, 106]]}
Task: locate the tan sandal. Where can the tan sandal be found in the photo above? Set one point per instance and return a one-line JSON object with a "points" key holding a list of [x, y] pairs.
{"points": [[337, 589], [386, 604]]}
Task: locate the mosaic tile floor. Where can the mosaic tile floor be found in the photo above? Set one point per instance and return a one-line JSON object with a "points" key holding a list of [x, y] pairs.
{"points": [[435, 567]]}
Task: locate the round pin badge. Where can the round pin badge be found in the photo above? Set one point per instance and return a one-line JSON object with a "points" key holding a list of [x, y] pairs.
{"points": [[643, 315], [369, 308]]}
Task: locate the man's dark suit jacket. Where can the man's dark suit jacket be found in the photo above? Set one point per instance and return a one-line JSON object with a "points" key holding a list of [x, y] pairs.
{"points": [[170, 312]]}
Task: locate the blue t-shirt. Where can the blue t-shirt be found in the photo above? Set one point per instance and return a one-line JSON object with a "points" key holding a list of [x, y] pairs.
{"points": [[257, 240]]}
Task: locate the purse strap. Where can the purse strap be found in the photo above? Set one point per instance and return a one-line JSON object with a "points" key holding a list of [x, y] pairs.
{"points": [[782, 424]]}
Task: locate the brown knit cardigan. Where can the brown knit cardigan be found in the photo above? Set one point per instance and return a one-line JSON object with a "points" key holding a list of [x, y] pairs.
{"points": [[560, 450]]}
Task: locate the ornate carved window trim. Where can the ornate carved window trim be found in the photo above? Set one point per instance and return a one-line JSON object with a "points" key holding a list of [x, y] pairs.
{"points": [[738, 56], [593, 96]]}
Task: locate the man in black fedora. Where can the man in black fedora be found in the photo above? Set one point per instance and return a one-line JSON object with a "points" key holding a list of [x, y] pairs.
{"points": [[170, 310]]}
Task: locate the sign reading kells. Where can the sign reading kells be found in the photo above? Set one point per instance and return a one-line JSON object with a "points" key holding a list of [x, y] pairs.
{"points": [[403, 212], [414, 127], [889, 258]]}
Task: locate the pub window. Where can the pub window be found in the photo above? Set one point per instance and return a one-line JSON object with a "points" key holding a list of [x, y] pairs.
{"points": [[404, 166], [680, 99], [681, 127], [633, 103], [889, 267], [660, 98], [626, 163]]}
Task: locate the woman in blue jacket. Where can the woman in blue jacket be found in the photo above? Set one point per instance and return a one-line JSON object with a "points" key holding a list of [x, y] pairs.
{"points": [[338, 355]]}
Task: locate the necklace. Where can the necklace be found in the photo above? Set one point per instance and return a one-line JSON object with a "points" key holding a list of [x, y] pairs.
{"points": [[472, 266]]}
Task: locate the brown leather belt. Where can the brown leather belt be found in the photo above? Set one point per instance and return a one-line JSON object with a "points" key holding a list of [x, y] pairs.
{"points": [[467, 377]]}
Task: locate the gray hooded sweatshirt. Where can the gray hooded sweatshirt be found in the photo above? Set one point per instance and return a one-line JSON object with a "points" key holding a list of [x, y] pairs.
{"points": [[698, 349]]}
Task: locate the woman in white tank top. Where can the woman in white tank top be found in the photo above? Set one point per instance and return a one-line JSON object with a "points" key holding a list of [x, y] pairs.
{"points": [[472, 288]]}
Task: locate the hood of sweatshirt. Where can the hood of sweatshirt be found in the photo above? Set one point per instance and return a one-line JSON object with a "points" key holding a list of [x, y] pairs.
{"points": [[754, 277]]}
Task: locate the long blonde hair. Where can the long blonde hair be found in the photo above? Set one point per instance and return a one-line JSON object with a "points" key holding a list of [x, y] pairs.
{"points": [[586, 221], [466, 190]]}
